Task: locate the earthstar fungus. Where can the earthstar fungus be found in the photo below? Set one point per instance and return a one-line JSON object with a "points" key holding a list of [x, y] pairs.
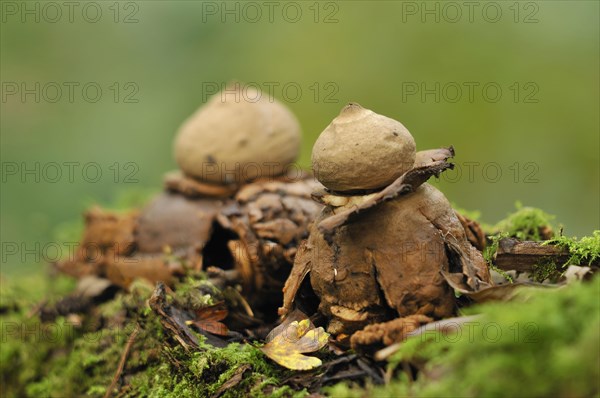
{"points": [[378, 249], [231, 206]]}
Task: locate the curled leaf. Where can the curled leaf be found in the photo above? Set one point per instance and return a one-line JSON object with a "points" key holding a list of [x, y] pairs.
{"points": [[207, 319], [287, 343], [486, 292]]}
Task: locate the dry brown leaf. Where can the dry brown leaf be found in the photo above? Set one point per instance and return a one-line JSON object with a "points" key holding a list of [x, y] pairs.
{"points": [[207, 319], [487, 293], [287, 343]]}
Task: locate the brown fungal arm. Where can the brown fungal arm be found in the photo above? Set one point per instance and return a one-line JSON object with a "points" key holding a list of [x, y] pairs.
{"points": [[423, 158], [404, 185], [462, 256], [388, 333], [299, 271], [474, 232]]}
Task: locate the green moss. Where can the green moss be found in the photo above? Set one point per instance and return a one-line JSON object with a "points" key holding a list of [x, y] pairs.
{"points": [[349, 390], [202, 373], [193, 293], [87, 365], [489, 252], [583, 252], [546, 343], [27, 344], [62, 358], [526, 223], [546, 270], [84, 360]]}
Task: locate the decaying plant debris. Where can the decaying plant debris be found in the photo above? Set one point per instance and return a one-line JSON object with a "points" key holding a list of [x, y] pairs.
{"points": [[267, 222]]}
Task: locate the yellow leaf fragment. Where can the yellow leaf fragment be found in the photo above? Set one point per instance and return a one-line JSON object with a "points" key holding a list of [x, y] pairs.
{"points": [[287, 343]]}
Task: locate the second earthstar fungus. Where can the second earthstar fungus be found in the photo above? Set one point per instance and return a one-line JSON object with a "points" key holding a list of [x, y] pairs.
{"points": [[222, 213]]}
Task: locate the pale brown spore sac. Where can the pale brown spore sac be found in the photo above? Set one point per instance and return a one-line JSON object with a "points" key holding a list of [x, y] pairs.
{"points": [[238, 136], [344, 154]]}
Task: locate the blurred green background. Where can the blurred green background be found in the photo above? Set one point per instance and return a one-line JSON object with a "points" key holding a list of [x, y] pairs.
{"points": [[542, 133]]}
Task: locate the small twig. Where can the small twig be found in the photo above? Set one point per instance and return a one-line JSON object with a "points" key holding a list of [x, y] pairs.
{"points": [[130, 342], [36, 309]]}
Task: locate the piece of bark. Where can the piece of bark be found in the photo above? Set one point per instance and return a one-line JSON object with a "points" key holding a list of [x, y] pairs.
{"points": [[269, 219], [523, 256], [106, 230], [176, 222]]}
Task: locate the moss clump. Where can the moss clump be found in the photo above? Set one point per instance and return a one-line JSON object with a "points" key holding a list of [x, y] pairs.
{"points": [[63, 359], [202, 373], [194, 294], [27, 344], [583, 252], [546, 270], [67, 358], [544, 344], [489, 252], [526, 223]]}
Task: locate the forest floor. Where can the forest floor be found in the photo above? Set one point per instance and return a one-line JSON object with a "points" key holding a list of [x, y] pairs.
{"points": [[536, 334]]}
